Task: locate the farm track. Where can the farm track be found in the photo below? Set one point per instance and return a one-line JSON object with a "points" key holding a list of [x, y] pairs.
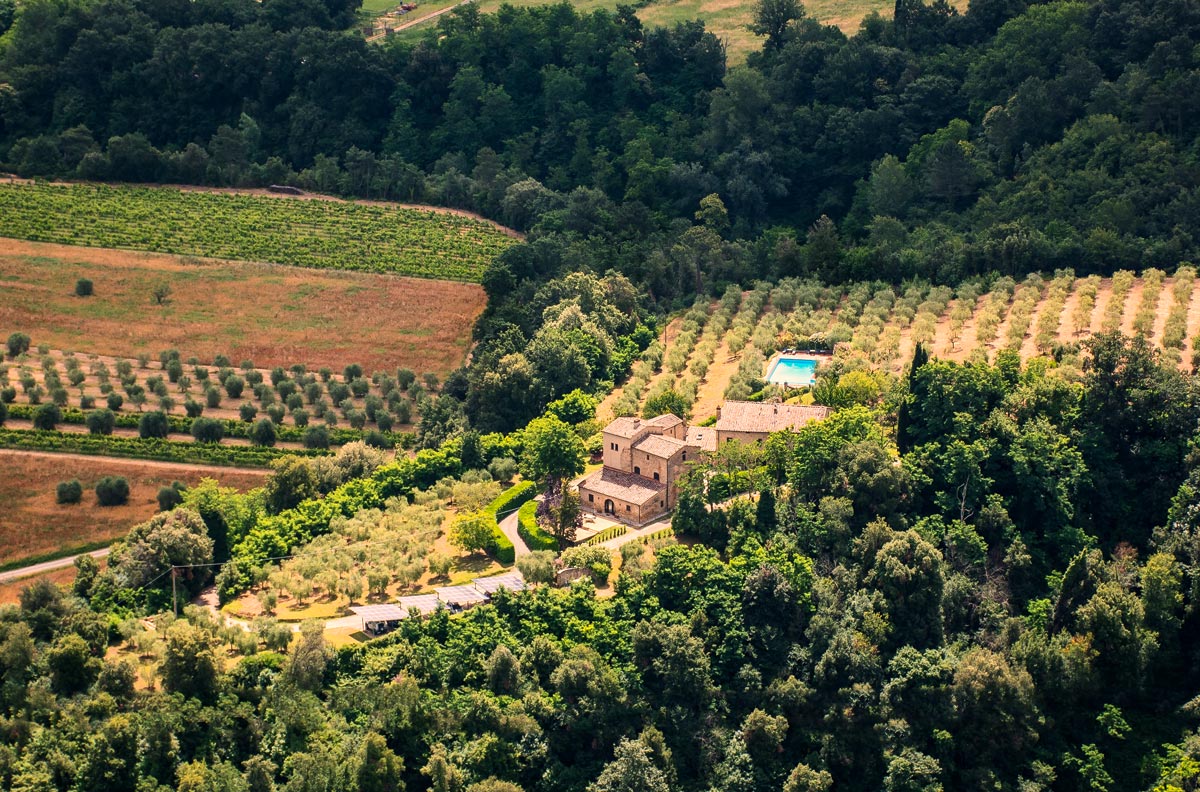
{"points": [[1166, 301], [1193, 321], [47, 566], [711, 392], [1132, 300], [415, 22], [664, 374]]}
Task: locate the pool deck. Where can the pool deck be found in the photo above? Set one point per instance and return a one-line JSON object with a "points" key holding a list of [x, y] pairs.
{"points": [[816, 357]]}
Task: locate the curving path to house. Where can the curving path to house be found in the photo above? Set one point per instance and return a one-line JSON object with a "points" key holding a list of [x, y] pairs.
{"points": [[509, 525], [47, 566]]}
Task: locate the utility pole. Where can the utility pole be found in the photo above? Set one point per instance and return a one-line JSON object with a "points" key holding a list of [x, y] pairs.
{"points": [[174, 599]]}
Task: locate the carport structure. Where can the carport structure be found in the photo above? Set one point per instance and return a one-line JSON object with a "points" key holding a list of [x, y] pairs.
{"points": [[378, 619]]}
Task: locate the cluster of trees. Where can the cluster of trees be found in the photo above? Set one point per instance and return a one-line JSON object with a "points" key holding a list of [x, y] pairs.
{"points": [[110, 491], [938, 144], [990, 583]]}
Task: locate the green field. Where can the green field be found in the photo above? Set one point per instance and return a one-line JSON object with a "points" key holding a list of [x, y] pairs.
{"points": [[306, 233], [728, 19]]}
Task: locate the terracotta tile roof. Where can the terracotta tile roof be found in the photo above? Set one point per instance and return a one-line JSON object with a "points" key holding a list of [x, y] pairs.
{"points": [[623, 486], [625, 427], [741, 416], [659, 446], [702, 437], [664, 422]]}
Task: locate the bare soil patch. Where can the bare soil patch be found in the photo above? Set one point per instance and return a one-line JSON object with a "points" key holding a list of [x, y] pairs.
{"points": [[10, 593], [711, 392], [32, 523], [273, 315]]}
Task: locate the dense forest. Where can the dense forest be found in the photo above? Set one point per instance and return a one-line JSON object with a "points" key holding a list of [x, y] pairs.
{"points": [[985, 576], [991, 581], [1011, 138]]}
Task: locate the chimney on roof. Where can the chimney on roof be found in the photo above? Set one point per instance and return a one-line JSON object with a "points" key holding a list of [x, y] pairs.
{"points": [[718, 412], [636, 420], [776, 409]]}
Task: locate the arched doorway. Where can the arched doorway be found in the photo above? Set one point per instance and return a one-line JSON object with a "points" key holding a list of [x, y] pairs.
{"points": [[610, 507]]}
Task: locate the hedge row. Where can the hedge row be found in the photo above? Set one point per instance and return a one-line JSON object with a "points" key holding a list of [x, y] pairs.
{"points": [[608, 533], [181, 424], [531, 532], [137, 448], [502, 547]]}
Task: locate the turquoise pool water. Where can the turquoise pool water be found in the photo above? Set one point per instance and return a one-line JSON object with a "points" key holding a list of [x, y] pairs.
{"points": [[794, 371]]}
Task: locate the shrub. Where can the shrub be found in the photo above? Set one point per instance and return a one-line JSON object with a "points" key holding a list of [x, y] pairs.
{"points": [[174, 369], [316, 437], [376, 439], [8, 394], [248, 412], [212, 397], [46, 417], [405, 378], [193, 408], [18, 344], [403, 410], [208, 430], [154, 424], [263, 433], [101, 422], [300, 417], [339, 392], [353, 371], [503, 469], [234, 385], [114, 401], [112, 491], [360, 387], [170, 496], [383, 421], [69, 491], [83, 288], [87, 402]]}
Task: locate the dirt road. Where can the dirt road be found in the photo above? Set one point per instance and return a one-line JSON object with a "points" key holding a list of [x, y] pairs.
{"points": [[47, 566]]}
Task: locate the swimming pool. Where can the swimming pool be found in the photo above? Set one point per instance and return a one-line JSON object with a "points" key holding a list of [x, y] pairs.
{"points": [[792, 371]]}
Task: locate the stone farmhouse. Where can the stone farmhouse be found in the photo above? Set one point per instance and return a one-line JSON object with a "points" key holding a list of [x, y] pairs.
{"points": [[644, 457]]}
